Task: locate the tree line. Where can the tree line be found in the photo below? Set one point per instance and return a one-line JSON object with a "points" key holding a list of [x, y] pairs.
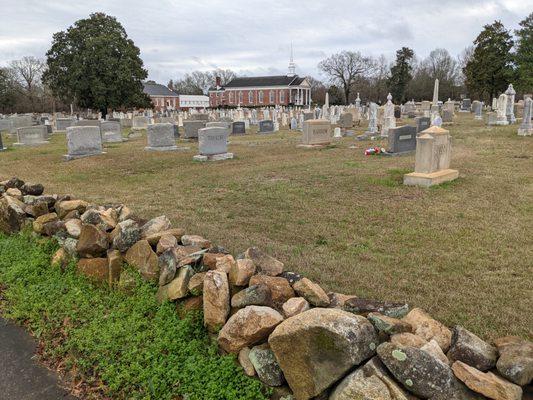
{"points": [[93, 64], [482, 71]]}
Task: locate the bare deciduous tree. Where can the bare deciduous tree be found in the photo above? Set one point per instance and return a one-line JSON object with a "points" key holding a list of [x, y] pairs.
{"points": [[344, 68], [28, 72]]}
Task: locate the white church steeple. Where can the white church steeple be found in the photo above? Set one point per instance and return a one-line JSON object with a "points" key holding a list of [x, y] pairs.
{"points": [[292, 65]]}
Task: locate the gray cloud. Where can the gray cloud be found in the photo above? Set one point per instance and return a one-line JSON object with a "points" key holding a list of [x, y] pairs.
{"points": [[253, 37]]}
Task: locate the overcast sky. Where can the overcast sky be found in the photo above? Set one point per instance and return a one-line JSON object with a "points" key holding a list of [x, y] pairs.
{"points": [[253, 37]]}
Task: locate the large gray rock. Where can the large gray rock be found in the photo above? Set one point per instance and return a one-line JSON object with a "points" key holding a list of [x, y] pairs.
{"points": [[471, 350], [369, 382], [128, 233], [255, 295], [422, 374], [516, 359], [317, 347], [266, 365]]}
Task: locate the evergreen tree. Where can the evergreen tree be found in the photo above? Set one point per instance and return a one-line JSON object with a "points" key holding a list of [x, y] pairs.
{"points": [[524, 55], [490, 69], [94, 64], [401, 74]]}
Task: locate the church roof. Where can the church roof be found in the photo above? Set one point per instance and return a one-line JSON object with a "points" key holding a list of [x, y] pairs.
{"points": [[262, 81], [155, 89]]}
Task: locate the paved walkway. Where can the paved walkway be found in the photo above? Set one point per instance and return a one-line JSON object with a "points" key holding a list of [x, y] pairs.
{"points": [[21, 377]]}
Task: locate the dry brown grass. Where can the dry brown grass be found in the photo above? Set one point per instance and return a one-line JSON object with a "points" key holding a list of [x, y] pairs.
{"points": [[462, 251]]}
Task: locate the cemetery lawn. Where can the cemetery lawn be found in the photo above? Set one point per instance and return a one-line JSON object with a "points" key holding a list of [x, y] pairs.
{"points": [[113, 344], [462, 251]]}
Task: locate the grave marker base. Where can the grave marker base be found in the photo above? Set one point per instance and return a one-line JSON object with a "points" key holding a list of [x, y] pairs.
{"points": [[313, 146], [69, 157], [165, 148], [427, 180], [213, 157], [31, 144]]}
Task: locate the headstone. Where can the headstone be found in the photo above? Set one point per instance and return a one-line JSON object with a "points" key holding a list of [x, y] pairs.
{"points": [[88, 122], [126, 122], [510, 92], [31, 135], [139, 122], [6, 125], [238, 128], [213, 144], [294, 124], [20, 121], [219, 124], [501, 111], [308, 116], [160, 137], [397, 112], [432, 160], [346, 120], [388, 117], [316, 133], [402, 139], [372, 120], [191, 128], [111, 132], [266, 126], [526, 127], [337, 133], [83, 141], [465, 105], [447, 116], [201, 117], [422, 123], [492, 118], [477, 109]]}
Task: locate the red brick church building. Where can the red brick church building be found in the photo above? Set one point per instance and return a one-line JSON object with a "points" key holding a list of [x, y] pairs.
{"points": [[262, 91]]}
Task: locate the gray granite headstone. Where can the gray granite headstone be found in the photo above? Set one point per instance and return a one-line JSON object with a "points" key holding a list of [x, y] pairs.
{"points": [[161, 137], [111, 132], [422, 123], [201, 117], [266, 126], [397, 112], [402, 139], [465, 105], [83, 141], [447, 116], [346, 120], [32, 135], [308, 116], [6, 125], [218, 124], [212, 141], [294, 124], [63, 123], [191, 128], [238, 128]]}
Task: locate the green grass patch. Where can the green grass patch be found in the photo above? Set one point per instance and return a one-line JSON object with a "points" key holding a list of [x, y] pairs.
{"points": [[138, 348]]}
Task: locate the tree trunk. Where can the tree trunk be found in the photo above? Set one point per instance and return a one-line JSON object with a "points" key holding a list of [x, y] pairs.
{"points": [[103, 110], [347, 94]]}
